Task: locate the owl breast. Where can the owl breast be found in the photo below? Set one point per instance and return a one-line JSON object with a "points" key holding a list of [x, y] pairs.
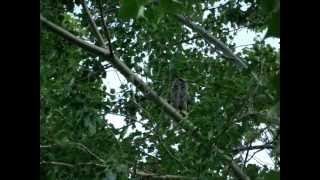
{"points": [[179, 94]]}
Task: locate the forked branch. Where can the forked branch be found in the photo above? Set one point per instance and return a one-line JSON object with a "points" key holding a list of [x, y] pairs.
{"points": [[140, 84]]}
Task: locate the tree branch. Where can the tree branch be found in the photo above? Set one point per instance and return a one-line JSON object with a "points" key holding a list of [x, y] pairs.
{"points": [[71, 165], [104, 25], [80, 145], [245, 45], [153, 175], [265, 146], [57, 163], [252, 156], [149, 155], [277, 146], [217, 43], [79, 42], [235, 167], [123, 69], [238, 172], [45, 146], [93, 24], [126, 72], [212, 40], [83, 147], [91, 163], [247, 153]]}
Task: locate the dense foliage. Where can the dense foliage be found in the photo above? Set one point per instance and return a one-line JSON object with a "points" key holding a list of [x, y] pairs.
{"points": [[230, 107]]}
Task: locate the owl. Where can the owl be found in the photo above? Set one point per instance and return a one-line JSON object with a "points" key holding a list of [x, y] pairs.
{"points": [[179, 95]]}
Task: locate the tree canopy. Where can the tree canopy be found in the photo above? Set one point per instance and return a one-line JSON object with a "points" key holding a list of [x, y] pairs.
{"points": [[234, 94]]}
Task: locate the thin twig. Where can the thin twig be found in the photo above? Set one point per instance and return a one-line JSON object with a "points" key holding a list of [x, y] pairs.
{"points": [[235, 167], [93, 24], [262, 163], [83, 147], [119, 77], [158, 159], [91, 163], [104, 23], [265, 146], [57, 163], [254, 154], [230, 121], [71, 165], [159, 138], [45, 146], [245, 45], [247, 153]]}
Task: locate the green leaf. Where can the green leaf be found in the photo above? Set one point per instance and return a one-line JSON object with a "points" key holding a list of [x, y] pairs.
{"points": [[169, 6], [274, 25], [165, 5], [273, 175], [128, 9], [261, 99], [268, 5], [252, 171], [210, 134]]}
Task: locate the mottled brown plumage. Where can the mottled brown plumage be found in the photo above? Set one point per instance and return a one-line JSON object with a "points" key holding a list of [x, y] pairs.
{"points": [[179, 95]]}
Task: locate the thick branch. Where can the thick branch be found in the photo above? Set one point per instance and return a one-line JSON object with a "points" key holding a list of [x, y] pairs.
{"points": [[212, 40], [153, 175], [121, 67], [126, 72], [238, 172], [217, 43], [79, 42]]}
